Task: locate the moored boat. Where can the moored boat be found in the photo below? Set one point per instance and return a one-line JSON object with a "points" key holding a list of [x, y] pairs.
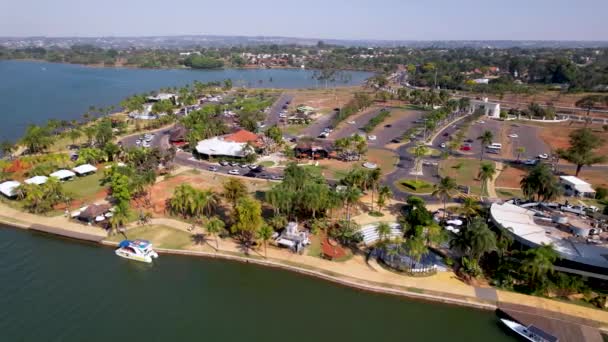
{"points": [[139, 250], [529, 333]]}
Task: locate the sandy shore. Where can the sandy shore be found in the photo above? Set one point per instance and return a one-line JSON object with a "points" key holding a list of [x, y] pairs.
{"points": [[355, 272]]}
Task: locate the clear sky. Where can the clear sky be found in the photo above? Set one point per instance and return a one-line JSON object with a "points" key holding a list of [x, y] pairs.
{"points": [[344, 19]]}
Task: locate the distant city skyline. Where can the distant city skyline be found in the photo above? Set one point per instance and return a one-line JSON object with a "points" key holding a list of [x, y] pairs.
{"points": [[360, 19]]}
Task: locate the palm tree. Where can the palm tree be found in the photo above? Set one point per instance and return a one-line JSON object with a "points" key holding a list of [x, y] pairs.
{"points": [[486, 173], [352, 194], [383, 194], [419, 151], [540, 184], [264, 233], [214, 227], [520, 150], [120, 216], [443, 190], [538, 262], [470, 207], [384, 231], [475, 240], [416, 248], [373, 178], [486, 139]]}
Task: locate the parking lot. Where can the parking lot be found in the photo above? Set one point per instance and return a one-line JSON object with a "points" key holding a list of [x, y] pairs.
{"points": [[184, 158]]}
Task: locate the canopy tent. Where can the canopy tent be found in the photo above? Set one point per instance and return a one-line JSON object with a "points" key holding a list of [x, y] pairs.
{"points": [[93, 211], [8, 188], [84, 169], [38, 180], [63, 174]]}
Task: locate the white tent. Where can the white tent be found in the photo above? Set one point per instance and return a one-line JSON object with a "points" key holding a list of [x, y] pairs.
{"points": [[63, 174], [8, 188], [84, 169], [38, 180], [219, 147]]}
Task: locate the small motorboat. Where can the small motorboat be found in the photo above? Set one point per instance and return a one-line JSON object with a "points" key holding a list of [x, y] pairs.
{"points": [[139, 250], [529, 333]]}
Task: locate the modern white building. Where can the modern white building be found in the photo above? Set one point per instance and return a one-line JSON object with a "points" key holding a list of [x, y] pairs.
{"points": [[9, 188], [525, 226], [576, 187], [490, 109]]}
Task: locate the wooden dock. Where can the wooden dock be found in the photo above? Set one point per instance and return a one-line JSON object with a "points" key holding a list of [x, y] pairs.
{"points": [[566, 328]]}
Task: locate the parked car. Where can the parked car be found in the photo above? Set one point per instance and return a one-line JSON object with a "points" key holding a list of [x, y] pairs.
{"points": [[388, 126], [396, 140], [244, 166], [371, 137], [446, 134], [224, 163], [250, 174], [543, 156], [137, 142], [513, 135], [531, 162], [234, 172], [264, 176], [469, 141], [443, 145], [253, 166], [213, 168], [465, 148], [276, 177], [352, 122]]}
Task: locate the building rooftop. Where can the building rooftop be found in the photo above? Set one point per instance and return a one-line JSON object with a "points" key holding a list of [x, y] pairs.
{"points": [[521, 222], [241, 136]]}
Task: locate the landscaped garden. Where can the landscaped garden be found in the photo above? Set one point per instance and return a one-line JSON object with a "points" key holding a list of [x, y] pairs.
{"points": [[417, 186], [161, 236]]}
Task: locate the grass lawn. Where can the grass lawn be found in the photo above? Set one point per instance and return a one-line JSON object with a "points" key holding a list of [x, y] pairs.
{"points": [[414, 186], [267, 163], [463, 170], [161, 236], [509, 193], [315, 246], [84, 188], [385, 159], [429, 151]]}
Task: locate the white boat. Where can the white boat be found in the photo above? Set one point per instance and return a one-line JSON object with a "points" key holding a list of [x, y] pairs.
{"points": [[529, 333], [139, 250]]}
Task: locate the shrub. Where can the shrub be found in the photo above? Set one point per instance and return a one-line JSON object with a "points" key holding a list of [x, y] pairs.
{"points": [[417, 185], [601, 193]]}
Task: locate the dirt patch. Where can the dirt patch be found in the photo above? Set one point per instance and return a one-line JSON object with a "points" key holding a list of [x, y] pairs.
{"points": [[557, 136], [323, 100], [510, 177], [595, 177], [385, 159]]}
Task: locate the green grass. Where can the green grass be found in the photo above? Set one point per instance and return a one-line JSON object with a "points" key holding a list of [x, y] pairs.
{"points": [[267, 163], [84, 187], [161, 236], [415, 186], [293, 129], [509, 193], [429, 151], [463, 170], [315, 246]]}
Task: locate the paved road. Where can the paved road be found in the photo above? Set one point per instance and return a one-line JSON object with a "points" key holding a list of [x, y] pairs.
{"points": [[161, 139], [528, 137], [317, 127], [273, 115], [185, 158], [346, 129]]}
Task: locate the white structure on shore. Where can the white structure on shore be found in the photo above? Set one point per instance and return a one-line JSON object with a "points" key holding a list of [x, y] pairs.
{"points": [[84, 169], [38, 180], [217, 146], [525, 225], [8, 188], [490, 109], [63, 175], [370, 232]]}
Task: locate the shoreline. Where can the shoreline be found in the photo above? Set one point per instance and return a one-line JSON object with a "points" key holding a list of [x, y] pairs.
{"points": [[412, 293]]}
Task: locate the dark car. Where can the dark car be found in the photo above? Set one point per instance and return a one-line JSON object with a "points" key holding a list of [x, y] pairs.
{"points": [[276, 177], [264, 176], [388, 126], [469, 140], [285, 106], [258, 169], [396, 140], [250, 174], [288, 102], [446, 134]]}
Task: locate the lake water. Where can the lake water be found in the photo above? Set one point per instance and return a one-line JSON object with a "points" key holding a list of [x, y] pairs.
{"points": [[33, 92], [58, 290]]}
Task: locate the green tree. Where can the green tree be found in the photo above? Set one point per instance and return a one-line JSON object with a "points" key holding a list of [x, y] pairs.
{"points": [[37, 139], [351, 196], [485, 175], [538, 263], [247, 217], [214, 227], [416, 248], [75, 134], [120, 216], [444, 190], [6, 147], [475, 240], [470, 207], [103, 132], [540, 184], [588, 102], [384, 231], [264, 233], [419, 151], [275, 134], [234, 190], [384, 193], [486, 139], [581, 151]]}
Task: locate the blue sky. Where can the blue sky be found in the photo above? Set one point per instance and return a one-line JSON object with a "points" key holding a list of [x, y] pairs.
{"points": [[345, 19]]}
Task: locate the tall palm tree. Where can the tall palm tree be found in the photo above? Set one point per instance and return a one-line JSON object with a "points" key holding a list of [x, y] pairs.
{"points": [[486, 173], [416, 248], [444, 190], [383, 194], [540, 184], [120, 216], [352, 194], [214, 227], [470, 207], [486, 139], [264, 233], [384, 231], [373, 178]]}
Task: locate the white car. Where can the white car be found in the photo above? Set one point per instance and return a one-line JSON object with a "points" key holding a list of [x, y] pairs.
{"points": [[371, 137], [531, 162], [138, 142], [442, 145], [282, 115], [352, 122], [234, 172], [513, 135], [481, 122], [543, 156], [146, 144]]}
